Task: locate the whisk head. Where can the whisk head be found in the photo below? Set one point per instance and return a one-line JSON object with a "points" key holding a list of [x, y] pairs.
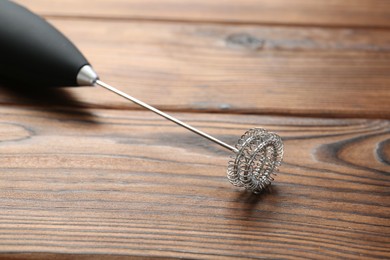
{"points": [[258, 156]]}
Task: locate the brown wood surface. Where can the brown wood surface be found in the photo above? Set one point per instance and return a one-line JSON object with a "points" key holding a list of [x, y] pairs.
{"points": [[85, 175], [361, 13], [131, 183], [237, 69]]}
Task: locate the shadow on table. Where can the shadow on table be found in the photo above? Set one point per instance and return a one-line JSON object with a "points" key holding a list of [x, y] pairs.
{"points": [[53, 100], [251, 200], [249, 206]]}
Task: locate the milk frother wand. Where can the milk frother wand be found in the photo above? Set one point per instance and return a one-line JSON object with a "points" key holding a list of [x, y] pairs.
{"points": [[34, 53]]}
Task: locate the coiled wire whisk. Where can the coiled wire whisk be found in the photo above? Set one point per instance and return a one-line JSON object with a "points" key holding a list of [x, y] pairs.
{"points": [[259, 154]]}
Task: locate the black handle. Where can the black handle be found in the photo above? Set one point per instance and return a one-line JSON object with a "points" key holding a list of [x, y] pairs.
{"points": [[33, 52]]}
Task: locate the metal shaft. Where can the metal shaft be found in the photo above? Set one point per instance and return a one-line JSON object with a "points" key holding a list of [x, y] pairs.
{"points": [[170, 118]]}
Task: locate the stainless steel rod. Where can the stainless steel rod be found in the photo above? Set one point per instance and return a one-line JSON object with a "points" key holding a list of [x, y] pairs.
{"points": [[170, 118]]}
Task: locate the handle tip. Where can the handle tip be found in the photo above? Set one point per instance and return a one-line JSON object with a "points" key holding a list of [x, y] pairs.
{"points": [[87, 76]]}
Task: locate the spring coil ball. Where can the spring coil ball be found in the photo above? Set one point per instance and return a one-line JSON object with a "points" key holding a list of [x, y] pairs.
{"points": [[259, 154]]}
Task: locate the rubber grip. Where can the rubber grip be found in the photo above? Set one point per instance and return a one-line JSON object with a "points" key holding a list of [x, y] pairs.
{"points": [[33, 52]]}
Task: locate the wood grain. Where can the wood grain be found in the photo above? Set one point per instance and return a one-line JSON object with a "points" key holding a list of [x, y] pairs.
{"points": [[84, 175], [362, 13], [119, 183], [235, 69]]}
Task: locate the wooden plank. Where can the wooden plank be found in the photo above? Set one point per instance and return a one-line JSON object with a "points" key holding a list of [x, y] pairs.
{"points": [[304, 12], [239, 69], [120, 183], [58, 256]]}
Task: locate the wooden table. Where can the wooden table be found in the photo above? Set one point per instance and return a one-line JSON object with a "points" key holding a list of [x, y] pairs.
{"points": [[85, 173]]}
